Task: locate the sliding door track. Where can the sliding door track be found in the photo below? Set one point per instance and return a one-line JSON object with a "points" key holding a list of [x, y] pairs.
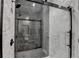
{"points": [[49, 4]]}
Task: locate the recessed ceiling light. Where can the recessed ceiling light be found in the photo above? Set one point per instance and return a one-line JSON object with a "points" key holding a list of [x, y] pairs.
{"points": [[33, 4]]}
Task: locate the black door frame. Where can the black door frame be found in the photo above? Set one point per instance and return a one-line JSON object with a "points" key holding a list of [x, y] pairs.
{"points": [[1, 49], [70, 10]]}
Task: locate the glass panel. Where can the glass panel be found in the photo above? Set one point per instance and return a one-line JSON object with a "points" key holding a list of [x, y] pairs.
{"points": [[29, 19], [28, 35], [28, 25]]}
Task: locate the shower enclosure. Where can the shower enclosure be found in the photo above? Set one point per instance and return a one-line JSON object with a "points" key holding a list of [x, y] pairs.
{"points": [[27, 30], [39, 28]]}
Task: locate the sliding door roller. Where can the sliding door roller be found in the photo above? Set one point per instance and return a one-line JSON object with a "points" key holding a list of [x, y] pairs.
{"points": [[13, 0]]}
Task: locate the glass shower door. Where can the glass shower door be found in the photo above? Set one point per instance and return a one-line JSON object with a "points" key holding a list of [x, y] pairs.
{"points": [[28, 36], [31, 29]]}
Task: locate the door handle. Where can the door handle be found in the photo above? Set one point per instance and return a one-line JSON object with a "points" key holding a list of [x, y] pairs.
{"points": [[68, 31], [69, 46], [11, 42], [78, 40]]}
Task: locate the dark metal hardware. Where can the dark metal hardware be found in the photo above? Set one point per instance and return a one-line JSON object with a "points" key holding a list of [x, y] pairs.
{"points": [[68, 46], [18, 5], [69, 31], [49, 4], [78, 40], [13, 1], [45, 0], [11, 42]]}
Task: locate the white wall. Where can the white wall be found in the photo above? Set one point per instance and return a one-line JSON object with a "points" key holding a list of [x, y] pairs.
{"points": [[75, 32]]}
